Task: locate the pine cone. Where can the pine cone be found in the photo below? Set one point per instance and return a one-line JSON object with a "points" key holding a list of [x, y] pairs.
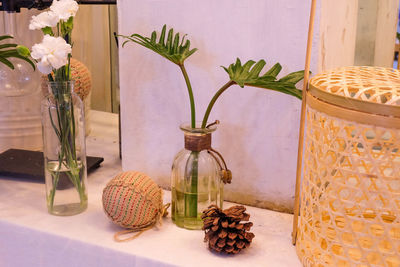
{"points": [[223, 230]]}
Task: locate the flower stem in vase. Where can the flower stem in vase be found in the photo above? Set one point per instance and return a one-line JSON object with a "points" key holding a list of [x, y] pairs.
{"points": [[67, 168]]}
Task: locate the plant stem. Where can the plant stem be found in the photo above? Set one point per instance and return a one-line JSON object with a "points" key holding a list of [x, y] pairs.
{"points": [[65, 132], [213, 100], [53, 190], [189, 87], [191, 195]]}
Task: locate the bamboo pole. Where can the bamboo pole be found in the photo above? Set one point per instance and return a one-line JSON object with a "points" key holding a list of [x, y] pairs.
{"points": [[302, 121]]}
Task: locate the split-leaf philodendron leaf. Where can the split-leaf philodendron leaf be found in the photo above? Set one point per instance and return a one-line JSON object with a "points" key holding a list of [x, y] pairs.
{"points": [[169, 46], [249, 75]]}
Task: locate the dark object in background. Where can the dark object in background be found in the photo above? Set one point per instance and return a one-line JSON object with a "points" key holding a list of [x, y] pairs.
{"points": [[28, 165], [16, 5]]}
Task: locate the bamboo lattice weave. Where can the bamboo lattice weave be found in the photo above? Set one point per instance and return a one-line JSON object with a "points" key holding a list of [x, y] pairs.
{"points": [[371, 84], [350, 193]]}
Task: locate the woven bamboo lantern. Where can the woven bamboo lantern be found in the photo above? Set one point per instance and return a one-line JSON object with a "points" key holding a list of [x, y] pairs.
{"points": [[350, 191]]}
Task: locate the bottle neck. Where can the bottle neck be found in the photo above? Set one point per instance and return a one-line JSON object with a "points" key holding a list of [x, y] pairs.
{"points": [[197, 139], [197, 142]]}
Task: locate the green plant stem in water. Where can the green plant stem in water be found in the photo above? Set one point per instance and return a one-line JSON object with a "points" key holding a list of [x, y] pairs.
{"points": [[191, 98], [213, 100], [191, 199]]}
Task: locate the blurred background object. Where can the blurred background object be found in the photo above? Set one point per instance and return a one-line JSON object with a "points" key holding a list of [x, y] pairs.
{"points": [[20, 95], [94, 47]]}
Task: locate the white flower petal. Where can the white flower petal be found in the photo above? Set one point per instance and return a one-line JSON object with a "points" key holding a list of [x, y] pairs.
{"points": [[44, 68], [38, 50], [57, 62], [52, 53], [44, 19], [64, 8]]}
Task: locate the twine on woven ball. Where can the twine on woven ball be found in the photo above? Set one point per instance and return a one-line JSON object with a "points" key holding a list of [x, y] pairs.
{"points": [[133, 201], [142, 229]]}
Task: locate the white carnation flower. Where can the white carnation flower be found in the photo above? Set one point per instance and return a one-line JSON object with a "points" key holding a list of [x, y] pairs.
{"points": [[44, 67], [51, 53], [64, 8], [44, 19]]}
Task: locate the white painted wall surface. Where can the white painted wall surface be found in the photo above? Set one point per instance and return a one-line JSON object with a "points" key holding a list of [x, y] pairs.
{"points": [[259, 129]]}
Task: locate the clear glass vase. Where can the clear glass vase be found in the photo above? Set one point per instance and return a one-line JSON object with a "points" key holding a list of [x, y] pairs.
{"points": [[64, 150], [196, 179]]}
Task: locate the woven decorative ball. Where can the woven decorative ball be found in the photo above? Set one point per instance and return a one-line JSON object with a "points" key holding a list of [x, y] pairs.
{"points": [[133, 200], [82, 77]]}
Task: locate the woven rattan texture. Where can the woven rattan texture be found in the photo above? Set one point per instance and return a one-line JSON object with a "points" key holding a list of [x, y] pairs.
{"points": [[82, 77], [350, 194], [132, 200], [372, 84]]}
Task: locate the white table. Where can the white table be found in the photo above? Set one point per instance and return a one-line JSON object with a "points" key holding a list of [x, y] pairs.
{"points": [[29, 236]]}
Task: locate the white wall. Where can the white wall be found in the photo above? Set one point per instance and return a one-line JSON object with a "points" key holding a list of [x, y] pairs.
{"points": [[259, 131]]}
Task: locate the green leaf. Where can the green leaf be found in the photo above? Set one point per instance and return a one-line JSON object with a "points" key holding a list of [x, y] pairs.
{"points": [[7, 46], [274, 71], [172, 49], [247, 66], [70, 22], [293, 77], [162, 37], [286, 88], [9, 50], [6, 62], [176, 43], [153, 37], [249, 75], [47, 30], [169, 39], [3, 37], [255, 71]]}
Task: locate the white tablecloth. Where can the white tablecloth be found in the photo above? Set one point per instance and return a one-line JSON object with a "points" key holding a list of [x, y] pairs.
{"points": [[29, 236]]}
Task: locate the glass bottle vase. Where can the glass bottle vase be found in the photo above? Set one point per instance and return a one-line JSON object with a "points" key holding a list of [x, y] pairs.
{"points": [[195, 180], [64, 150]]}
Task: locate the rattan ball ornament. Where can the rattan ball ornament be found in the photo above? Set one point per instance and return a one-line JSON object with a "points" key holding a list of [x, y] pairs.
{"points": [[82, 77], [134, 201]]}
